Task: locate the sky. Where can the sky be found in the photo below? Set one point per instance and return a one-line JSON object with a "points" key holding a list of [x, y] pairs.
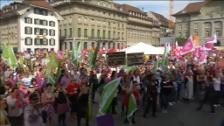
{"points": [[161, 7]]}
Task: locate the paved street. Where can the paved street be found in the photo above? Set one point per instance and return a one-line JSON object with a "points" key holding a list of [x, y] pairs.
{"points": [[181, 114]]}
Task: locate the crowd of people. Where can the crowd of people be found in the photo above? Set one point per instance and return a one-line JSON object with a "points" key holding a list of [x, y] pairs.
{"points": [[27, 97]]}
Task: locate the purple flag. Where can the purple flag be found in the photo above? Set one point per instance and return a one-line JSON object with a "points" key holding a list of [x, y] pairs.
{"points": [[188, 47], [212, 39], [105, 120]]}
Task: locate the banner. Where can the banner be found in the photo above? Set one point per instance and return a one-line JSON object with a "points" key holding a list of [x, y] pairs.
{"points": [[135, 59], [116, 59]]}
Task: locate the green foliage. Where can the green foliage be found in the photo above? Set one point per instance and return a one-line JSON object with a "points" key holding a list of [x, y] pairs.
{"points": [[181, 41]]}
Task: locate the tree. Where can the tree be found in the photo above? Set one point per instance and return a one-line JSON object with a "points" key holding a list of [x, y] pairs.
{"points": [[181, 41]]}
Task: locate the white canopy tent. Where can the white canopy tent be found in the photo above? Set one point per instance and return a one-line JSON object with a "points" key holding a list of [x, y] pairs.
{"points": [[144, 48]]}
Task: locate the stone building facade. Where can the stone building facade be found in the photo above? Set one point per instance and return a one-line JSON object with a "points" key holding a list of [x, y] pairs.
{"points": [[90, 22], [140, 27], [29, 25], [113, 25], [202, 18]]}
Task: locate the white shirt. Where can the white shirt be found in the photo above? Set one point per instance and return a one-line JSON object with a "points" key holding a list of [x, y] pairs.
{"points": [[26, 81], [13, 111], [30, 113], [217, 84], [137, 79]]}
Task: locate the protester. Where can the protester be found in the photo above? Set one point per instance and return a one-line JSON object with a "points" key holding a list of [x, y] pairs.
{"points": [[61, 105], [32, 112], [151, 94], [209, 95], [166, 93], [47, 100], [82, 104], [150, 86]]}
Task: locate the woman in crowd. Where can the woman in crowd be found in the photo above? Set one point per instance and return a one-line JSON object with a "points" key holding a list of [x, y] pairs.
{"points": [[15, 107], [47, 100], [32, 112], [166, 92], [72, 91], [61, 105], [209, 95], [4, 121], [151, 94], [188, 85], [82, 104], [93, 80]]}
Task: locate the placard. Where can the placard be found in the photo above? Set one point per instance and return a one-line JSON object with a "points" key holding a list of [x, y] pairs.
{"points": [[135, 59], [116, 58]]}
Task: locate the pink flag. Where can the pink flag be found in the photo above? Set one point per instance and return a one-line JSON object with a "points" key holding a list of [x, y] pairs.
{"points": [[212, 39], [208, 46], [60, 55], [197, 52], [188, 47], [203, 57]]}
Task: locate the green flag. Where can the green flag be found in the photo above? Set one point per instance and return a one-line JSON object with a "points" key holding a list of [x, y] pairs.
{"points": [[130, 68], [132, 106], [76, 54], [52, 68], [109, 91], [92, 56], [155, 66], [9, 56], [164, 62]]}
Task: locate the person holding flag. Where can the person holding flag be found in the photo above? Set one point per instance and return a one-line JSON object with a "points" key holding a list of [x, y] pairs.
{"points": [[131, 100]]}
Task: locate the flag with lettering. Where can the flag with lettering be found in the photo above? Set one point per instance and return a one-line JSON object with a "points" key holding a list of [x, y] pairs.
{"points": [[188, 47]]}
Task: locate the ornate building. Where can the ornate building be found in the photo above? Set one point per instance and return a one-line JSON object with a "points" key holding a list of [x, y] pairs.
{"points": [[89, 22], [113, 25], [140, 27], [202, 18], [29, 25]]}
